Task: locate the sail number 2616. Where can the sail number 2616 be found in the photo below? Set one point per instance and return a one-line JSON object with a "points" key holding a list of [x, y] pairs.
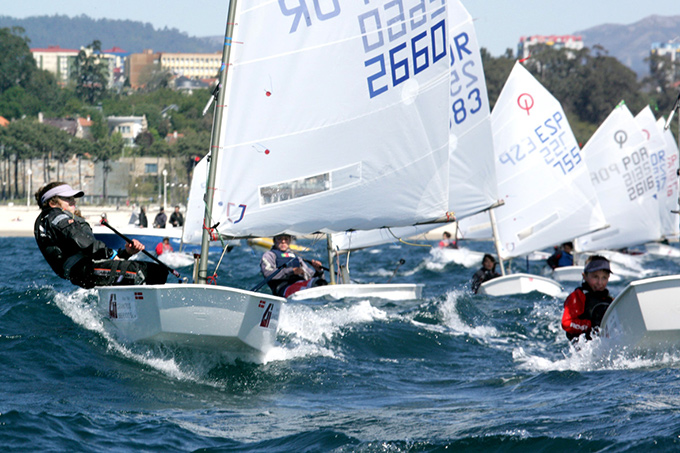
{"points": [[395, 57]]}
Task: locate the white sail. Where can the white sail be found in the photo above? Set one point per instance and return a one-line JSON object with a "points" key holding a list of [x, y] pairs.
{"points": [[355, 240], [542, 174], [193, 223], [472, 175], [477, 226], [667, 184], [659, 158], [335, 118], [621, 171], [472, 182]]}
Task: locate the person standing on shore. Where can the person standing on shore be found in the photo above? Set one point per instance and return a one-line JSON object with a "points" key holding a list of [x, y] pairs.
{"points": [[161, 219], [143, 222], [69, 247], [176, 218]]}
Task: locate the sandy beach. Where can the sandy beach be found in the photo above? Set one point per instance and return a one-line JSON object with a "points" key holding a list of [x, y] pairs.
{"points": [[18, 220]]}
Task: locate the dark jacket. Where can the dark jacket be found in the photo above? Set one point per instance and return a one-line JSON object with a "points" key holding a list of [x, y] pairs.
{"points": [[69, 247], [160, 220], [481, 276], [67, 243], [285, 276], [176, 219], [143, 222]]}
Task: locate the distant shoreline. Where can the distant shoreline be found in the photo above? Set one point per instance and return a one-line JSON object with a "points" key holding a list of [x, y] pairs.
{"points": [[18, 220]]}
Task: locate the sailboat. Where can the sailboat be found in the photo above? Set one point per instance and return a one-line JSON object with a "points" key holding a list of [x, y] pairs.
{"points": [[542, 179], [332, 119], [639, 318], [664, 159], [619, 156], [628, 163]]}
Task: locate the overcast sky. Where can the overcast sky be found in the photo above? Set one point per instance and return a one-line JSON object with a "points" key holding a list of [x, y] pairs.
{"points": [[499, 23]]}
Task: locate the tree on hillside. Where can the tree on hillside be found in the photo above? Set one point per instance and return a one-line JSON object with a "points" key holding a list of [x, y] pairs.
{"points": [[496, 72], [664, 74], [11, 148], [89, 74], [191, 146], [16, 61], [600, 85], [105, 151]]}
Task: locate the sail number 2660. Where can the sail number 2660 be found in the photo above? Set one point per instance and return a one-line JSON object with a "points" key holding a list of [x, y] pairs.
{"points": [[404, 57]]}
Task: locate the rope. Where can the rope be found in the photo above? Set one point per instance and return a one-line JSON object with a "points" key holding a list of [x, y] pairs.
{"points": [[412, 244]]}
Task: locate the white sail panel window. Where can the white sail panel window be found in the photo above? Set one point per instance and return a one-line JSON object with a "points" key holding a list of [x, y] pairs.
{"points": [[311, 185]]}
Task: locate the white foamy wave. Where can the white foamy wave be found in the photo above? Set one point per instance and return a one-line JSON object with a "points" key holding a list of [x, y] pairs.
{"points": [[177, 259], [593, 356], [318, 324], [309, 328], [439, 258], [452, 323], [80, 306]]}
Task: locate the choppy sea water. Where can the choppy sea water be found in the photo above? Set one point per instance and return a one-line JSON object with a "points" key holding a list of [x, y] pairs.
{"points": [[449, 372]]}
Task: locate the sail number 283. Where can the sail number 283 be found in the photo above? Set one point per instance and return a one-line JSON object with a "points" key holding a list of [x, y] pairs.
{"points": [[400, 43]]}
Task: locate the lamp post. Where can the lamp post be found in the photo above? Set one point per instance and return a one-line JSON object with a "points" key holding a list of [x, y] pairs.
{"points": [[165, 188], [29, 172]]}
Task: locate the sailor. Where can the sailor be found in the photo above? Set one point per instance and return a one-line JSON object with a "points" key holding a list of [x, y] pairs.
{"points": [[585, 307], [164, 247], [289, 273], [485, 273], [447, 242], [69, 247], [562, 257]]}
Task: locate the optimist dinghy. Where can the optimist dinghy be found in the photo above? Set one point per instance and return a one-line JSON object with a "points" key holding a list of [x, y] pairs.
{"points": [[645, 316]]}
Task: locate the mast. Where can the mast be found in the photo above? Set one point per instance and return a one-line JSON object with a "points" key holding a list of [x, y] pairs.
{"points": [[496, 239], [331, 266], [215, 141]]}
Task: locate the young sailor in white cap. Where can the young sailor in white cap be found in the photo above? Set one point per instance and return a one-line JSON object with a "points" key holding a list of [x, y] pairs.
{"points": [[68, 245]]}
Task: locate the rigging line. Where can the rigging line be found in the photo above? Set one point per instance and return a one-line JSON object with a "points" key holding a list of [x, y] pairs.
{"points": [[224, 251], [413, 244]]}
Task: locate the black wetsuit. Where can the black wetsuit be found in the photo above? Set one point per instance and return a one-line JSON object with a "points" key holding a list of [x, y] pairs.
{"points": [[68, 245], [481, 276]]}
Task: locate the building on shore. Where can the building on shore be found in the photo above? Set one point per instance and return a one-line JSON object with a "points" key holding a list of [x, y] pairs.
{"points": [[569, 42], [56, 60]]}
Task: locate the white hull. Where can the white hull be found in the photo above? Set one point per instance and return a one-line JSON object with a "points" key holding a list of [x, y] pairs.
{"points": [[574, 274], [568, 274], [662, 250], [520, 284], [196, 316], [389, 291], [646, 315]]}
